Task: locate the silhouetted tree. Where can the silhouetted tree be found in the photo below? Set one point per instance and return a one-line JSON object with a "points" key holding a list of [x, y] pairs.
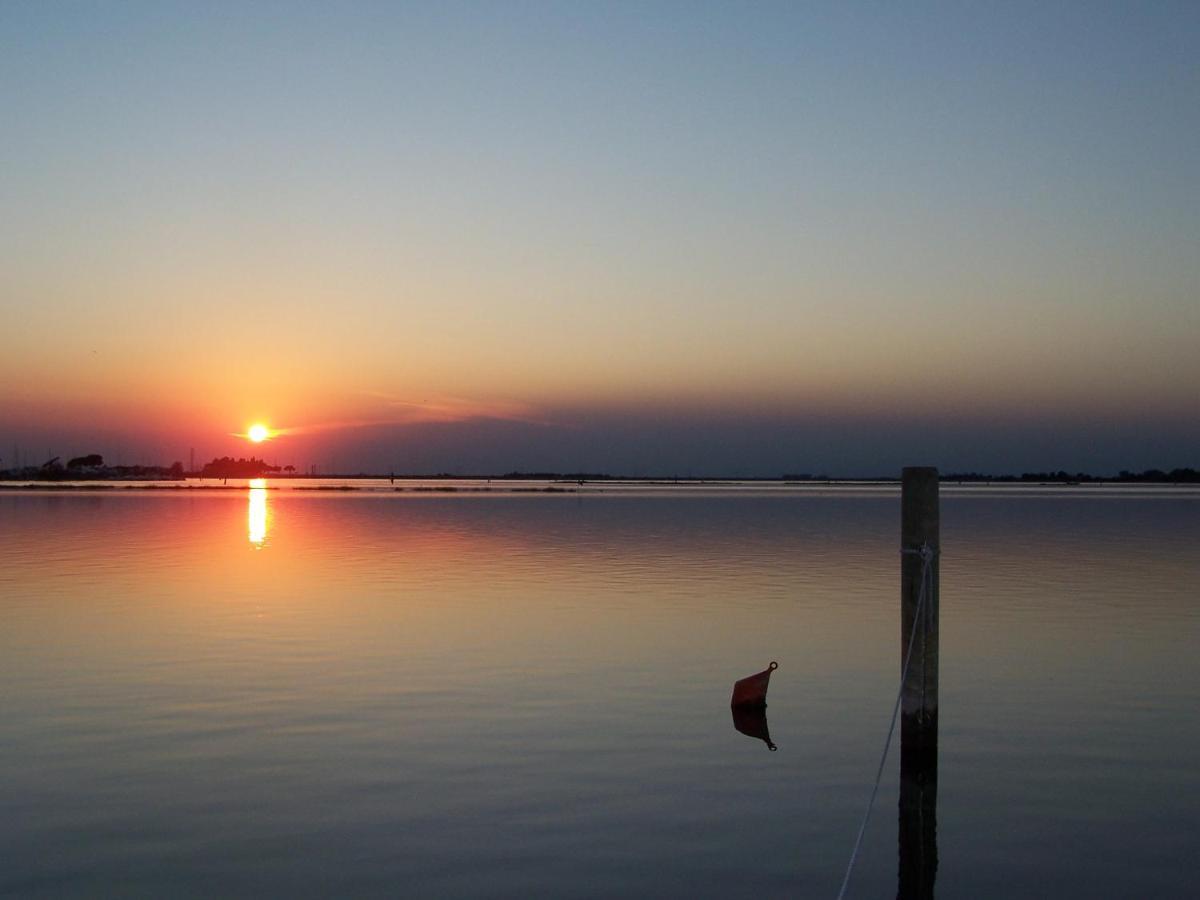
{"points": [[228, 467]]}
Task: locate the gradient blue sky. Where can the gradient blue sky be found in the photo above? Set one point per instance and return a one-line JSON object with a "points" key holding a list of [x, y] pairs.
{"points": [[654, 238]]}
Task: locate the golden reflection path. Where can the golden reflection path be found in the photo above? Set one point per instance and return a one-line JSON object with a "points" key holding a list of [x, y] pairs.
{"points": [[256, 519]]}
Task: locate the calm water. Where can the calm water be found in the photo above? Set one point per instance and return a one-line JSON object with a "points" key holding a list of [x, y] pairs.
{"points": [[249, 692]]}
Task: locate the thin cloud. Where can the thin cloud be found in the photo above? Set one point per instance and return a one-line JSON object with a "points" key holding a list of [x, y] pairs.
{"points": [[456, 409], [439, 410]]}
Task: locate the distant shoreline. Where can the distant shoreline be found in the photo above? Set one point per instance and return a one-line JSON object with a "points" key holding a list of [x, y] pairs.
{"points": [[466, 485], [186, 481]]}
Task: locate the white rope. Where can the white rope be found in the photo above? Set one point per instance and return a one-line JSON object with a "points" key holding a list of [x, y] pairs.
{"points": [[926, 554]]}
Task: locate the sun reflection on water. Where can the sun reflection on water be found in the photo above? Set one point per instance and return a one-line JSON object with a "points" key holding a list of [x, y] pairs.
{"points": [[257, 515]]}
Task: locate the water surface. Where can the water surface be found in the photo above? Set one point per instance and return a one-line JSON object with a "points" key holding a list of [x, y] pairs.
{"points": [[249, 692]]}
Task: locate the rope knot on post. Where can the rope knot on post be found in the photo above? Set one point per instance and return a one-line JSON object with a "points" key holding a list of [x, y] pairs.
{"points": [[926, 552]]}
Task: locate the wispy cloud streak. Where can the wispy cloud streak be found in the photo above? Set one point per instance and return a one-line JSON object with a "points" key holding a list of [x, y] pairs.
{"points": [[398, 411]]}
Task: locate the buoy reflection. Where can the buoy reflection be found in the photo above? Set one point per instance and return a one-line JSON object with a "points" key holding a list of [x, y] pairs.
{"points": [[753, 723], [257, 516]]}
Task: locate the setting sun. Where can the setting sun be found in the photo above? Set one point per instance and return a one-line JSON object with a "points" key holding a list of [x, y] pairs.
{"points": [[258, 433]]}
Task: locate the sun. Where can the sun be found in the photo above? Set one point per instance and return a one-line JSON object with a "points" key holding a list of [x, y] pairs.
{"points": [[258, 432]]}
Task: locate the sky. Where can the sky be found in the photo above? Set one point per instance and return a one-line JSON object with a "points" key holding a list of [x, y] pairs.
{"points": [[639, 238]]}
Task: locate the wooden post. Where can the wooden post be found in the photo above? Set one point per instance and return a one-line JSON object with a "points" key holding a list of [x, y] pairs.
{"points": [[919, 528]]}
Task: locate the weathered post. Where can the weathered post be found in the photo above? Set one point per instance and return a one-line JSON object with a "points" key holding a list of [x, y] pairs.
{"points": [[919, 543], [919, 529]]}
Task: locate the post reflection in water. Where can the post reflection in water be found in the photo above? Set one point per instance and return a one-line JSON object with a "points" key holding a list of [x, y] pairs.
{"points": [[918, 822], [256, 518], [918, 844]]}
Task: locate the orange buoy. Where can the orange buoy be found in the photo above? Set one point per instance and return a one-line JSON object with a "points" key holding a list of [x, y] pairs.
{"points": [[752, 690]]}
